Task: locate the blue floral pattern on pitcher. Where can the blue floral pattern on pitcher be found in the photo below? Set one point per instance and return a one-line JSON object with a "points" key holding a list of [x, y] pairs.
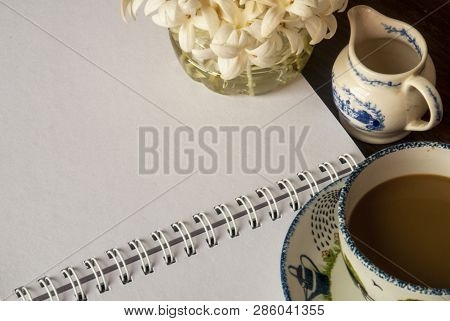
{"points": [[373, 82], [436, 104], [369, 115], [404, 34]]}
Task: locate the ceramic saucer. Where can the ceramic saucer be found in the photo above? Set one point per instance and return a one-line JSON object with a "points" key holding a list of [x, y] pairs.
{"points": [[312, 267]]}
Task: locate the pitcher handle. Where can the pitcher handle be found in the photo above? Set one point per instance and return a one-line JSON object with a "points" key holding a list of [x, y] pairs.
{"points": [[429, 92]]}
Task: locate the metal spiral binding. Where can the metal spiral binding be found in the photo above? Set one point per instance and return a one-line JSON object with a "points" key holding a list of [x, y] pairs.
{"points": [[167, 255], [182, 229], [274, 212], [326, 167], [124, 276], [347, 158], [101, 285], [146, 265], [23, 294], [293, 196], [307, 176], [201, 217], [251, 212], [232, 228], [45, 282], [69, 273]]}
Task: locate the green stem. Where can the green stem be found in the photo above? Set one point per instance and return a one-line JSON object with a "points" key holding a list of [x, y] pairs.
{"points": [[250, 84]]}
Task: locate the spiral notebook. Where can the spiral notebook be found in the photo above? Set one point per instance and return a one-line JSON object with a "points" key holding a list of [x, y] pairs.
{"points": [[131, 268], [76, 85]]}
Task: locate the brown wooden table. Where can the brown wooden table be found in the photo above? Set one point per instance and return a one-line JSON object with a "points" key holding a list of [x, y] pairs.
{"points": [[436, 30]]}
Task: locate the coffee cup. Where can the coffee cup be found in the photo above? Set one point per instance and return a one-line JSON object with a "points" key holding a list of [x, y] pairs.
{"points": [[393, 162]]}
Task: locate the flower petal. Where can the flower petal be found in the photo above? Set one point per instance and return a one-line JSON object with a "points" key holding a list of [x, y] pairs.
{"points": [[222, 34], [224, 51], [311, 3], [269, 48], [135, 5], [269, 3], [271, 20], [189, 7], [344, 4], [332, 26], [231, 68], [317, 29], [152, 5], [295, 40], [229, 9], [293, 21], [233, 39], [186, 36], [252, 10], [243, 40], [169, 15], [203, 54], [300, 9], [264, 62], [278, 42], [254, 30], [200, 21], [262, 50], [207, 20], [124, 8]]}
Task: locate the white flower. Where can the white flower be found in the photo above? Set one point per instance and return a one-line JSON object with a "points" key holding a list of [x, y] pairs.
{"points": [[241, 32], [253, 9], [278, 8], [125, 8], [152, 5], [268, 53], [295, 39], [291, 28], [130, 7], [231, 39], [189, 7], [323, 24], [303, 8], [186, 34], [240, 17], [207, 20], [254, 30], [169, 15], [229, 45], [230, 11], [327, 7]]}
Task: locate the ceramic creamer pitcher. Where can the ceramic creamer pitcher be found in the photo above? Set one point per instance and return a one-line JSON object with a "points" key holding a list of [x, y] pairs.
{"points": [[383, 81]]}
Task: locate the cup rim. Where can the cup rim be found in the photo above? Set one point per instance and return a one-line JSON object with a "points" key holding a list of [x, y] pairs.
{"points": [[346, 235]]}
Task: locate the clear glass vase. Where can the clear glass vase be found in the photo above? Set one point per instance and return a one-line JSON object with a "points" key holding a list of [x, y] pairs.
{"points": [[255, 80]]}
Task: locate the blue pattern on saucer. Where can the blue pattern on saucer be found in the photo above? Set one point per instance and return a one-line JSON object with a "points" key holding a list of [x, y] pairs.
{"points": [[323, 284]]}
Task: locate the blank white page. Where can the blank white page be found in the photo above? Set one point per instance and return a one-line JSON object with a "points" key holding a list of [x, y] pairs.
{"points": [[76, 83]]}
